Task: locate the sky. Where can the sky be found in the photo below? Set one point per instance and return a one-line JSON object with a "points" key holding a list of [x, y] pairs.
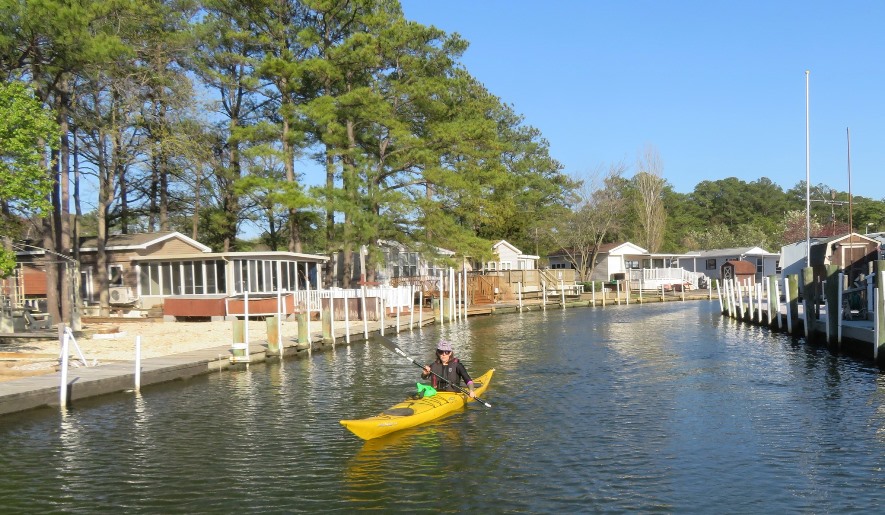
{"points": [[718, 88]]}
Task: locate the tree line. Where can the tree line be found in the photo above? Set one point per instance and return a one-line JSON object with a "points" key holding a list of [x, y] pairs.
{"points": [[199, 116], [717, 214]]}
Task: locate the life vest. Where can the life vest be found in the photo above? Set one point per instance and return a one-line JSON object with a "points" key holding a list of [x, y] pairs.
{"points": [[448, 372]]}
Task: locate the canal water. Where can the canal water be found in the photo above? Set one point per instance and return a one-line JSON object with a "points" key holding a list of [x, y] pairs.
{"points": [[654, 408]]}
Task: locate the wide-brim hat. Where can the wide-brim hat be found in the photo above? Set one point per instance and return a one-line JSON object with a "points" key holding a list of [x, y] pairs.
{"points": [[444, 345]]}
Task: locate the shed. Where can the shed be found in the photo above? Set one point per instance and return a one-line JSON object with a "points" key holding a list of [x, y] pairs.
{"points": [[737, 269]]}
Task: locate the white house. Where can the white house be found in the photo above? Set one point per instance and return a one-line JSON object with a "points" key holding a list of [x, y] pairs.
{"points": [[613, 258], [709, 262], [510, 258]]}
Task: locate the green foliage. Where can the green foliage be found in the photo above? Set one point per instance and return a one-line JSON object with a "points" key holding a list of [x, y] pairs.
{"points": [[26, 129]]}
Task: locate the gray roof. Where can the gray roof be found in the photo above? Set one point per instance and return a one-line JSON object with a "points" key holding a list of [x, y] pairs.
{"points": [[733, 252]]}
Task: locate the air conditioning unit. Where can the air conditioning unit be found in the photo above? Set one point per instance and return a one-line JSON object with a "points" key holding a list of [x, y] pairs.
{"points": [[122, 295]]}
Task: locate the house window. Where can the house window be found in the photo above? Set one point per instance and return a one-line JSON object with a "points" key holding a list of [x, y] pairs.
{"points": [[631, 264], [711, 264], [492, 265], [115, 275], [506, 265], [758, 265], [777, 266]]}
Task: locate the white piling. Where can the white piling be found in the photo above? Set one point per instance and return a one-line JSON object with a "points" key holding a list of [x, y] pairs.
{"points": [[246, 323], [451, 295], [662, 292], [442, 318], [421, 308], [411, 306], [63, 386], [740, 297], [618, 290], [138, 363], [544, 296], [787, 303], [280, 311], [365, 315], [519, 294], [381, 309], [458, 296], [593, 292], [331, 317], [562, 293], [759, 299], [718, 295]]}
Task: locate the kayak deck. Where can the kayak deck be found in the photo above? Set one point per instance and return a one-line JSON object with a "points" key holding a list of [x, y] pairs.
{"points": [[413, 412]]}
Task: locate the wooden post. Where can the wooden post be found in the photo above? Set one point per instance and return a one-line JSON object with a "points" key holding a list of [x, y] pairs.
{"points": [[792, 285], [346, 318], [808, 300], [788, 302], [326, 321], [834, 306], [839, 297], [303, 334], [273, 336], [879, 309], [775, 288], [365, 314], [381, 309]]}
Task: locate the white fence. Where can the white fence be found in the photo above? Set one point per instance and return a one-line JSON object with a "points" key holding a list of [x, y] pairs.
{"points": [[395, 299], [653, 278]]}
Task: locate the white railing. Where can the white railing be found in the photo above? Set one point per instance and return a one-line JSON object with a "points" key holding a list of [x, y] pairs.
{"points": [[394, 298], [653, 278]]}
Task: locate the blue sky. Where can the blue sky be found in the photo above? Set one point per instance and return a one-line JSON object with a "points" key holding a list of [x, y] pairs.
{"points": [[717, 87]]}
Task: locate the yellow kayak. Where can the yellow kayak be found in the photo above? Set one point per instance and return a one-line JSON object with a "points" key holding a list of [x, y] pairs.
{"points": [[412, 412]]}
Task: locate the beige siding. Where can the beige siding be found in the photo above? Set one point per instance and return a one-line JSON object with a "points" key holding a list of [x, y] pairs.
{"points": [[170, 247]]}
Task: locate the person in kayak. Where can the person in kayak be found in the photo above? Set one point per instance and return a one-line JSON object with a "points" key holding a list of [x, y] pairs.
{"points": [[449, 368]]}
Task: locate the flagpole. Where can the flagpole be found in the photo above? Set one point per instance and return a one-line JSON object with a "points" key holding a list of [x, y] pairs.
{"points": [[807, 182]]}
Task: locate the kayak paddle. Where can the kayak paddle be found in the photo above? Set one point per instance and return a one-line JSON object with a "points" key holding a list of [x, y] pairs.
{"points": [[387, 342]]}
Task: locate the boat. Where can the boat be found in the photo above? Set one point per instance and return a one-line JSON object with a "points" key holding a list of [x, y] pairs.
{"points": [[413, 412]]}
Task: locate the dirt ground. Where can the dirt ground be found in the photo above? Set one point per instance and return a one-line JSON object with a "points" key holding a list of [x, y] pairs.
{"points": [[116, 342]]}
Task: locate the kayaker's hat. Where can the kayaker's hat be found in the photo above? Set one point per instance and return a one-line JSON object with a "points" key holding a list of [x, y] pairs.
{"points": [[444, 346]]}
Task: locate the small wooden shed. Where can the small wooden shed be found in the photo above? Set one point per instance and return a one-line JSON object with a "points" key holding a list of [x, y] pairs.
{"points": [[738, 269]]}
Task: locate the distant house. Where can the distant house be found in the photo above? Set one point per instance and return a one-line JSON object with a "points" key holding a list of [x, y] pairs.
{"points": [[849, 252], [612, 259], [709, 262], [508, 257], [148, 269], [399, 261]]}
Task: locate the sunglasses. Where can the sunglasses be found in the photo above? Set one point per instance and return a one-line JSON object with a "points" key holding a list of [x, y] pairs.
{"points": [[443, 352]]}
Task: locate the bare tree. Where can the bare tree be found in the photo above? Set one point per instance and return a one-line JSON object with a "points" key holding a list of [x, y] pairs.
{"points": [[650, 199], [599, 207]]}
